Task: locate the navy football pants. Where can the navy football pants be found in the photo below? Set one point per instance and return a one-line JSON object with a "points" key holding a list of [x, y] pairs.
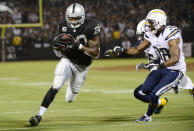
{"points": [[157, 83]]}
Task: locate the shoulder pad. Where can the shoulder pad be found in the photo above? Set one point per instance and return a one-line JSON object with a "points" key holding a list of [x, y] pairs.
{"points": [[170, 31], [60, 26], [150, 37], [93, 27]]}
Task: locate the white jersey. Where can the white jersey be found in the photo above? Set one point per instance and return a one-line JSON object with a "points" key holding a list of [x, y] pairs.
{"points": [[152, 55], [162, 48]]}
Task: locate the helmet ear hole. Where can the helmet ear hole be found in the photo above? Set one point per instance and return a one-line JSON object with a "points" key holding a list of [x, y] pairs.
{"points": [[75, 15], [140, 29]]}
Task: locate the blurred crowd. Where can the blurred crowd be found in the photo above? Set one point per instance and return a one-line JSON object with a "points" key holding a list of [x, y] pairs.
{"points": [[118, 18]]}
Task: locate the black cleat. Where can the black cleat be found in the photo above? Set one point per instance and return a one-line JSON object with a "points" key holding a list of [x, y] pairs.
{"points": [[35, 120]]}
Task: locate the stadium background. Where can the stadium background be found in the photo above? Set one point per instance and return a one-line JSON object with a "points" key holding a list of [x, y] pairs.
{"points": [[106, 102], [118, 19]]}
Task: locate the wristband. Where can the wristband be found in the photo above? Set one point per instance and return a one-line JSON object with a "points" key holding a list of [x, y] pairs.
{"points": [[124, 50], [80, 46]]}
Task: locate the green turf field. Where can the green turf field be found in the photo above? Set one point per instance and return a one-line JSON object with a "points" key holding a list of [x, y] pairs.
{"points": [[106, 102]]}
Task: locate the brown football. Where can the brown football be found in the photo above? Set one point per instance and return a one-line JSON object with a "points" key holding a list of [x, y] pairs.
{"points": [[67, 39], [65, 36]]}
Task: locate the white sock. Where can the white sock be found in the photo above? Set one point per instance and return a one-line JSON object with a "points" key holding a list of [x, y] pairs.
{"points": [[159, 101], [147, 115], [41, 111]]}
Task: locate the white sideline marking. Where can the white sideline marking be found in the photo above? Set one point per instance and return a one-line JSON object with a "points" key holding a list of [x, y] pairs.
{"points": [[89, 126], [33, 83], [30, 83], [5, 102], [78, 110]]}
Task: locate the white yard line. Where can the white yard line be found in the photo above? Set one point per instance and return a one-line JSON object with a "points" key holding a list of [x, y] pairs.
{"points": [[85, 109], [122, 91], [103, 91], [91, 126], [31, 83]]}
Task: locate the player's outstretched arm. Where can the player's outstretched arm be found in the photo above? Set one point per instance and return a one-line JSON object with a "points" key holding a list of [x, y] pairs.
{"points": [[116, 51]]}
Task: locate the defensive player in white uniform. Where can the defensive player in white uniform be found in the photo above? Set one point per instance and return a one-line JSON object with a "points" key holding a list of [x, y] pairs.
{"points": [[77, 43], [166, 40], [153, 57]]}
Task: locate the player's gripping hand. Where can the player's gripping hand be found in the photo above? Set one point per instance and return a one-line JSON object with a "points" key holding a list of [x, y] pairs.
{"points": [[116, 51], [77, 45], [153, 67], [141, 66]]}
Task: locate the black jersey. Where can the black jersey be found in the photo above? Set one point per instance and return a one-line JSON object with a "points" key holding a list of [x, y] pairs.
{"points": [[86, 31]]}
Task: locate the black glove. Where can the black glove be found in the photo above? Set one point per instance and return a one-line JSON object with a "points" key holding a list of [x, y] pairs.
{"points": [[116, 51], [77, 45]]}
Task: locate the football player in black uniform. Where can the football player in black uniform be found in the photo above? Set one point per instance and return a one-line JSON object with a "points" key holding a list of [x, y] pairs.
{"points": [[76, 58]]}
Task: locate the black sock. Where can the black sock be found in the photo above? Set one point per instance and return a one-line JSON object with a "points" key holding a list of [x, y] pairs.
{"points": [[151, 109], [49, 97]]}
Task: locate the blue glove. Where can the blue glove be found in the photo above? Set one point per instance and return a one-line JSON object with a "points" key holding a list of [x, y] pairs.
{"points": [[153, 67]]}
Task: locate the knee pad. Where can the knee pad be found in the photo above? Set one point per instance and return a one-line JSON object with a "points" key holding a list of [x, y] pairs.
{"points": [[62, 73], [58, 82]]}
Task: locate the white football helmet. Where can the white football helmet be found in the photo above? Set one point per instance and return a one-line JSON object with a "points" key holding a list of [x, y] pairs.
{"points": [[140, 29], [75, 15], [158, 17]]}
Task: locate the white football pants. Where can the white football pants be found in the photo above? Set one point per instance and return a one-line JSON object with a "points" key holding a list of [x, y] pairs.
{"points": [[66, 70], [186, 83]]}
